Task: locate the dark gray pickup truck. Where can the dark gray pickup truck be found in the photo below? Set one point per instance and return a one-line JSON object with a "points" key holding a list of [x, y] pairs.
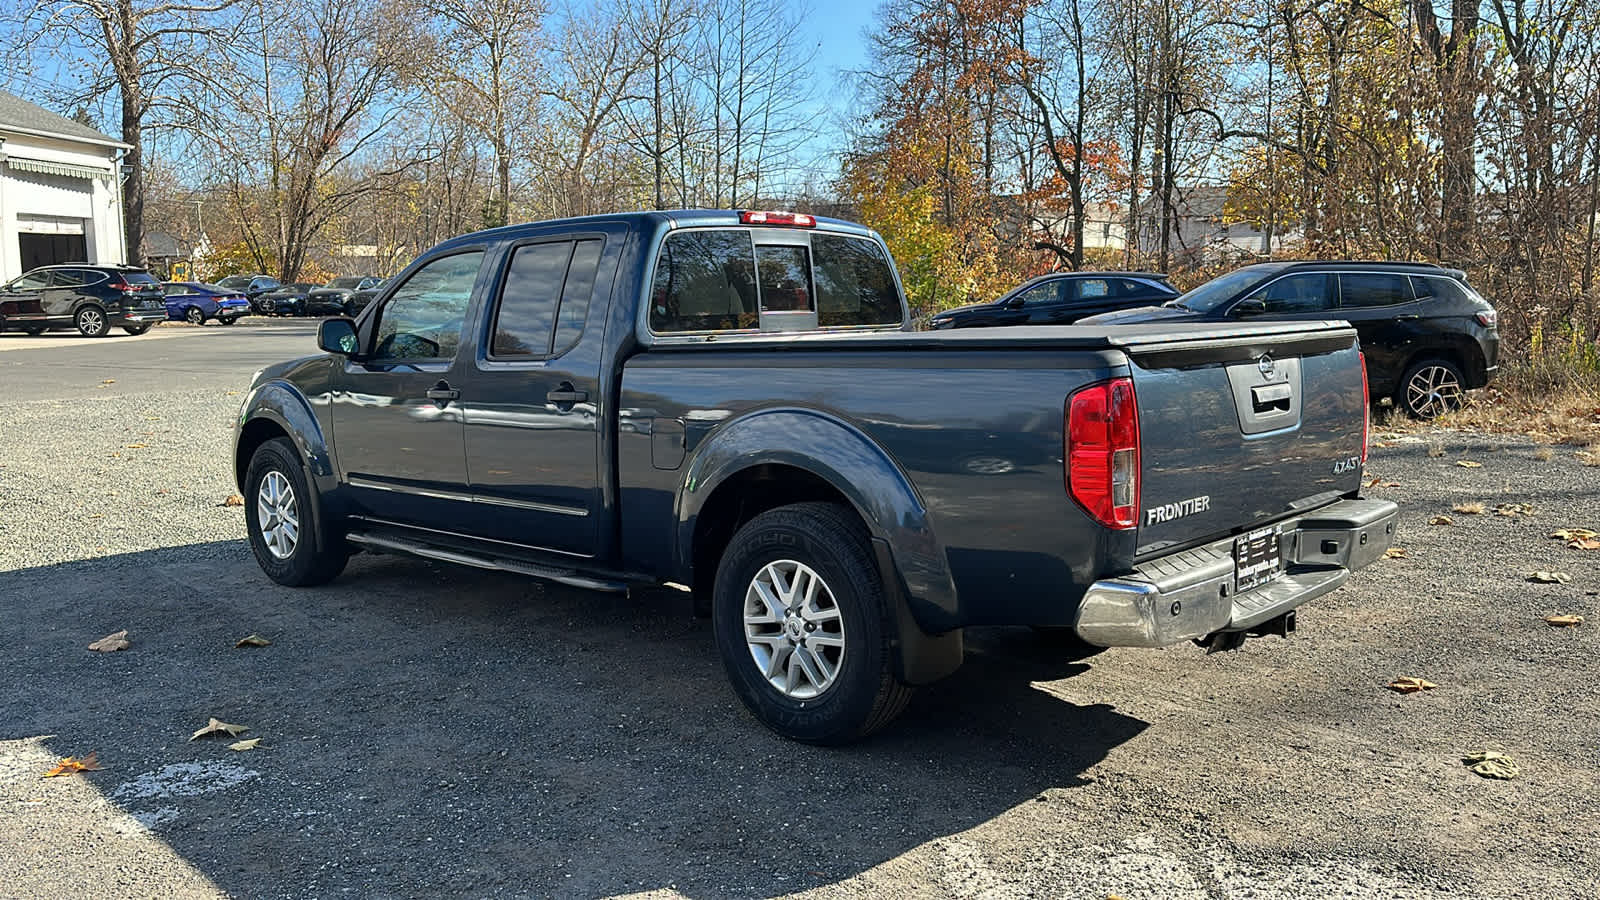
{"points": [[734, 403]]}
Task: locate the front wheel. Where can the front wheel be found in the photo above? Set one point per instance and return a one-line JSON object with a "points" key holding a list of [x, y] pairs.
{"points": [[91, 322], [228, 321], [136, 330], [283, 526], [33, 330], [1431, 388], [801, 623]]}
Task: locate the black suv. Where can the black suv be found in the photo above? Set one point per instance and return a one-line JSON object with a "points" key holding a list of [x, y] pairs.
{"points": [[91, 298], [1061, 298], [1427, 335]]}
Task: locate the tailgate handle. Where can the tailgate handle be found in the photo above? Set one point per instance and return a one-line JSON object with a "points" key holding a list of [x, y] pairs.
{"points": [[1271, 397]]}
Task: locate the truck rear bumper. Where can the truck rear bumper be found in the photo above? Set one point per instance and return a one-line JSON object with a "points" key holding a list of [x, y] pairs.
{"points": [[1194, 593]]}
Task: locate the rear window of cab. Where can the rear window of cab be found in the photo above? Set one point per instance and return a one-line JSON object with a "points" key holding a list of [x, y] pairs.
{"points": [[732, 279]]}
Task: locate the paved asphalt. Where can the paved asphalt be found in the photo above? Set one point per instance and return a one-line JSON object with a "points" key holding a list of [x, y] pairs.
{"points": [[429, 730]]}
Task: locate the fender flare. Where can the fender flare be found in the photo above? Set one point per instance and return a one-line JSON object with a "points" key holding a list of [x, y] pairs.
{"points": [[288, 409], [855, 466]]}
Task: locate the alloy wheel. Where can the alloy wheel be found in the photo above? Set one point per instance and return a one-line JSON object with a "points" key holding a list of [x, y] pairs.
{"points": [[1433, 391], [277, 515], [91, 322], [794, 629]]}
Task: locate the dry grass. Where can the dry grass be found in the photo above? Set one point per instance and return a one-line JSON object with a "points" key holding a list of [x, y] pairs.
{"points": [[1591, 456], [1528, 402], [1470, 509], [1544, 453], [1436, 449]]}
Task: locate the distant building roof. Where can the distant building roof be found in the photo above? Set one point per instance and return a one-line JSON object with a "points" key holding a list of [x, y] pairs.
{"points": [[21, 115]]}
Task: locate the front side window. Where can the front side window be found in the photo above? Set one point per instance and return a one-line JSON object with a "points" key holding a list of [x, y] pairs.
{"points": [[1373, 289], [1042, 294], [424, 316], [705, 281], [1297, 294], [855, 285], [33, 281], [67, 278]]}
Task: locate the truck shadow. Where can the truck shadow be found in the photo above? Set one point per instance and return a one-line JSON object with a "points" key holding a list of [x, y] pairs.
{"points": [[434, 729]]}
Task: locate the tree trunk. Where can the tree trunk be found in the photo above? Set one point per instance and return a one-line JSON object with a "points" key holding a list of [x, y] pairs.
{"points": [[133, 185]]}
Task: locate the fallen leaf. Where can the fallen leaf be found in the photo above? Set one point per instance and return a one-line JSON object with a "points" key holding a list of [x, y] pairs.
{"points": [[252, 640], [217, 726], [1549, 577], [72, 765], [1492, 764], [111, 642], [1407, 684], [232, 500], [1572, 534], [136, 446], [241, 746], [109, 381], [1584, 544], [1441, 520], [1395, 553], [1374, 481], [1563, 621], [1512, 510], [1391, 484], [1469, 464], [1468, 509]]}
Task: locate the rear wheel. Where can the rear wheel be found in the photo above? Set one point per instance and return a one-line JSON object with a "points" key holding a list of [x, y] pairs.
{"points": [[1430, 389], [281, 520], [801, 623], [91, 322], [136, 330], [228, 321], [194, 315]]}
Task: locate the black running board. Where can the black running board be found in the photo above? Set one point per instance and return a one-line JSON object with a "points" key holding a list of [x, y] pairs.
{"points": [[494, 563]]}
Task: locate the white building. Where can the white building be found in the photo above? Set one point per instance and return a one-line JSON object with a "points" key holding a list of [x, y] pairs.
{"points": [[60, 191]]}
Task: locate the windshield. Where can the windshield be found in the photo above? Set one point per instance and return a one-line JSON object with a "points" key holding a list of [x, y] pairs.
{"points": [[1207, 297], [233, 282], [344, 283]]}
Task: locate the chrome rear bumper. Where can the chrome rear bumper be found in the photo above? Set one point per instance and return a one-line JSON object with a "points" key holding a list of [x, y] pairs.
{"points": [[1191, 594]]}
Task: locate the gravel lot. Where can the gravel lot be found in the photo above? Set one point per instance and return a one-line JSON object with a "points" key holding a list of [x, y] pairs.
{"points": [[430, 730]]}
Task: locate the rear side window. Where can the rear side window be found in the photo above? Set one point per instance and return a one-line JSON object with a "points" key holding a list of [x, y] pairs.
{"points": [[1441, 287], [855, 285], [1093, 288], [1373, 289], [705, 281], [67, 278], [545, 298]]}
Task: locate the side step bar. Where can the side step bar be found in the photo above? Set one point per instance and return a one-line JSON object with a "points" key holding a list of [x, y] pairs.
{"points": [[497, 564]]}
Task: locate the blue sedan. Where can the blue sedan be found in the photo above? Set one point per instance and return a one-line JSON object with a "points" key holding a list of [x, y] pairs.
{"points": [[195, 303]]}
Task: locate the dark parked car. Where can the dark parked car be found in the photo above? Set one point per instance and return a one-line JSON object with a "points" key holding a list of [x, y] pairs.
{"points": [[332, 299], [646, 397], [1427, 335], [92, 298], [251, 286], [1062, 298], [196, 303], [285, 299], [359, 299]]}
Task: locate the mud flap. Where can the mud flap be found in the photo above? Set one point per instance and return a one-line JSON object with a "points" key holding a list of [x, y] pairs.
{"points": [[919, 657]]}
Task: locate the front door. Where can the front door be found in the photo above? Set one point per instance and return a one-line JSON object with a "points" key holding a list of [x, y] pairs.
{"points": [[534, 414], [396, 410]]}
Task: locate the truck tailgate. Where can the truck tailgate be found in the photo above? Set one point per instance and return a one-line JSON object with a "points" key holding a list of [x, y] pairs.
{"points": [[1242, 430]]}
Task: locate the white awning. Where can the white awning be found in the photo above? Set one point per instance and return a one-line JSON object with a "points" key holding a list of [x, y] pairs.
{"points": [[45, 167]]}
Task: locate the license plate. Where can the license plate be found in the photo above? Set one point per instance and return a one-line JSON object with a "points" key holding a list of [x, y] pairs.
{"points": [[1257, 558]]}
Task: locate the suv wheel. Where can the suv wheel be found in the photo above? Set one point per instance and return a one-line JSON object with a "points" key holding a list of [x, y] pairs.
{"points": [[136, 330], [801, 624], [91, 322], [194, 315], [284, 530], [1430, 389]]}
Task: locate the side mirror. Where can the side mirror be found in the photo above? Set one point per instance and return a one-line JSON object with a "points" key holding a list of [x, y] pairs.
{"points": [[338, 336], [1014, 303], [1252, 306]]}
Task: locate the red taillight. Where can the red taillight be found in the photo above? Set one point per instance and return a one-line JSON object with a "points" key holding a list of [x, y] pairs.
{"points": [[798, 220], [1488, 318], [1103, 452], [117, 284], [1366, 409]]}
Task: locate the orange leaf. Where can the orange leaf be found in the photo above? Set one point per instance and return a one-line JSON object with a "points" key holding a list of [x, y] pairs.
{"points": [[1563, 621], [1409, 685], [73, 765]]}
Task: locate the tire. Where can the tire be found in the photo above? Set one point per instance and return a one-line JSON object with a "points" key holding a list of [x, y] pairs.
{"points": [[1430, 388], [829, 543], [33, 330], [228, 321], [91, 321], [276, 488], [136, 330], [194, 315]]}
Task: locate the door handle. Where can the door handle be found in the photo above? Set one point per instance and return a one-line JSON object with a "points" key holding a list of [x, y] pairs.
{"points": [[566, 395], [442, 393], [1409, 318]]}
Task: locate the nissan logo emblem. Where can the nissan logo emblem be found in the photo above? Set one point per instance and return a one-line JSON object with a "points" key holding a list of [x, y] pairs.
{"points": [[1265, 366]]}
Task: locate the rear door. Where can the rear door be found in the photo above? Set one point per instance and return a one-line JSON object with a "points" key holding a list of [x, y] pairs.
{"points": [[1241, 429], [1386, 314], [533, 404]]}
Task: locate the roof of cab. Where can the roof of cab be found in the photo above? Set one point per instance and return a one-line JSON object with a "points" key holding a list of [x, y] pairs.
{"points": [[650, 219]]}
